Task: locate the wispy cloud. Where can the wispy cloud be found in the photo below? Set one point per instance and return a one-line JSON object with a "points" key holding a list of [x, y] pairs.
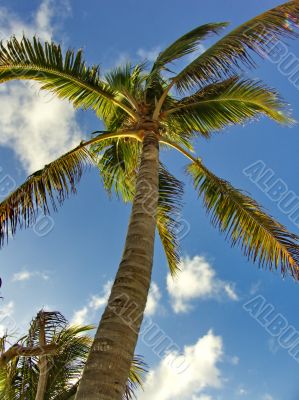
{"points": [[267, 397], [86, 314], [197, 280], [26, 275], [149, 54], [241, 391], [80, 316], [153, 300], [255, 287], [41, 23], [97, 302], [7, 322]]}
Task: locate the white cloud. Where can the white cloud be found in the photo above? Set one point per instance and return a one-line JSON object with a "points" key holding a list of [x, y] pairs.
{"points": [[22, 276], [37, 127], [140, 55], [11, 24], [36, 130], [267, 397], [235, 360], [120, 59], [167, 382], [255, 287], [26, 275], [150, 54], [196, 280], [79, 317], [242, 391], [7, 322], [97, 302], [230, 291], [153, 300], [86, 313]]}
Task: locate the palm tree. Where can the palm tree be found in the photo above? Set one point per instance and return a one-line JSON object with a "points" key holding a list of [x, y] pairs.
{"points": [[145, 110], [47, 363]]}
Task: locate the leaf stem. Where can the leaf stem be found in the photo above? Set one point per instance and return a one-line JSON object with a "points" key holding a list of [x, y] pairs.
{"points": [[179, 149]]}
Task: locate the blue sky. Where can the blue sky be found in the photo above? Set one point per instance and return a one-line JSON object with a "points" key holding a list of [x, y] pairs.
{"points": [[66, 262]]}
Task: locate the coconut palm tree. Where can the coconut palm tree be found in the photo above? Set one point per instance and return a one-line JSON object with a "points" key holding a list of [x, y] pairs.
{"points": [[47, 363], [145, 110]]}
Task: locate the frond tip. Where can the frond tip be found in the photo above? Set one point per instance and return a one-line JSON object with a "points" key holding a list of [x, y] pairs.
{"points": [[229, 54], [261, 238], [66, 75], [229, 102], [187, 44], [136, 377], [52, 184], [169, 207]]}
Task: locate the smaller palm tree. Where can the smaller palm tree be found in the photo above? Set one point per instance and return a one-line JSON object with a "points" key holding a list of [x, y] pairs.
{"points": [[47, 363]]}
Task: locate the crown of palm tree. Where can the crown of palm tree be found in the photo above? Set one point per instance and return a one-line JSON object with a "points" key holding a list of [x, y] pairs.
{"points": [[206, 96], [66, 351]]}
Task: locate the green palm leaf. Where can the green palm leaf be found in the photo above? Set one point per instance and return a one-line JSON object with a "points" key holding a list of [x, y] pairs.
{"points": [[118, 167], [52, 184], [65, 75], [228, 55], [168, 215], [186, 44], [230, 102], [128, 81], [19, 379], [261, 238], [66, 367], [136, 376]]}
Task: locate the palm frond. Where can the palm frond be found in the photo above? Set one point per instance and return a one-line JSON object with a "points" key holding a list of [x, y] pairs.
{"points": [[65, 75], [226, 57], [68, 394], [118, 166], [19, 380], [136, 376], [129, 81], [168, 216], [187, 44], [52, 184], [230, 102], [245, 223], [67, 365]]}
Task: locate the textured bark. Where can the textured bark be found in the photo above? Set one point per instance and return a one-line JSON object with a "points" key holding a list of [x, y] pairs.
{"points": [[43, 363], [107, 368]]}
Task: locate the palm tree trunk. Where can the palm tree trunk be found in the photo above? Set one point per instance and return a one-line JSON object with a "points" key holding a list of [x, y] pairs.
{"points": [[107, 368], [43, 363]]}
